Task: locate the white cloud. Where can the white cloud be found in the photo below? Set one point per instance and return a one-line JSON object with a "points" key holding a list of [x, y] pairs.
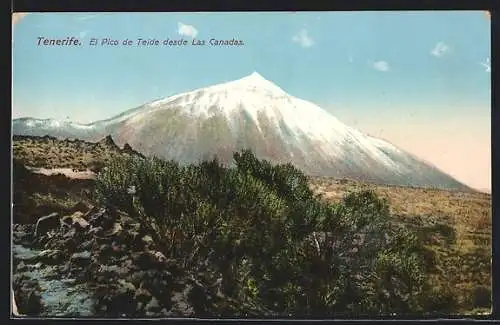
{"points": [[303, 38], [440, 49], [186, 30], [381, 66], [486, 65]]}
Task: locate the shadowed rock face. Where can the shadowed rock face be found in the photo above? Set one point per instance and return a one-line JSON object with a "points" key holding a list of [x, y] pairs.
{"points": [[109, 267], [251, 113]]}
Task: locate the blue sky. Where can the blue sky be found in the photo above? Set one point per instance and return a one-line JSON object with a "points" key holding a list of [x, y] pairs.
{"points": [[373, 70]]}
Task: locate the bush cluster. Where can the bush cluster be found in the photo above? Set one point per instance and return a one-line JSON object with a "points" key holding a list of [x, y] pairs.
{"points": [[275, 246]]}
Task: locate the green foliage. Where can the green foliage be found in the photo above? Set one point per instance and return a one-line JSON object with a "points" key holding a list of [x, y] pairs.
{"points": [[280, 249]]}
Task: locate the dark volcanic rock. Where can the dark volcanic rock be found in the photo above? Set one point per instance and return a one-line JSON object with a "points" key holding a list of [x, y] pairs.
{"points": [[128, 149], [46, 224], [76, 220], [23, 234], [117, 299], [108, 143], [21, 267], [113, 256], [153, 307], [27, 293], [101, 218], [80, 259], [51, 256]]}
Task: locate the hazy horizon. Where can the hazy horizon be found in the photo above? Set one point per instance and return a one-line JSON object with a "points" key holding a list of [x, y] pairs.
{"points": [[420, 80]]}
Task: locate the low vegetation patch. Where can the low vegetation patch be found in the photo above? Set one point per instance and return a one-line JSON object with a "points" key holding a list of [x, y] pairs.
{"points": [[274, 245], [457, 228], [260, 239], [49, 152]]}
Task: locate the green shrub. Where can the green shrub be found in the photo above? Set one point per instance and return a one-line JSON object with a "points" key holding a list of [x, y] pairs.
{"points": [[280, 249]]}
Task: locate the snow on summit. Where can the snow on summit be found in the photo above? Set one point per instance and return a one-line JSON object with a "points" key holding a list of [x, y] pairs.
{"points": [[256, 95]]}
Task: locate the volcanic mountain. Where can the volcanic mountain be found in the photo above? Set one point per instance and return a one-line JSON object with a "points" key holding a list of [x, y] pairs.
{"points": [[252, 113]]}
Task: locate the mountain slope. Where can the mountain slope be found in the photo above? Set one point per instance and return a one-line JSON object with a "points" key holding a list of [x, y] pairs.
{"points": [[254, 113]]}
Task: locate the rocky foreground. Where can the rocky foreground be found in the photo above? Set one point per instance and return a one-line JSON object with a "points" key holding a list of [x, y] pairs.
{"points": [[102, 264]]}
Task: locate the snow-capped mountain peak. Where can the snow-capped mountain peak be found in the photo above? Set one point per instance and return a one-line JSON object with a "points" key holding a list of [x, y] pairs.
{"points": [[255, 79], [253, 94], [252, 112], [253, 82]]}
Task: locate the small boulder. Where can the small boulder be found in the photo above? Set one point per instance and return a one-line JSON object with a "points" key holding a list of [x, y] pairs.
{"points": [[76, 220], [70, 235], [27, 293], [21, 235], [95, 230], [21, 267], [153, 307], [126, 287], [47, 223], [142, 295], [158, 256], [114, 230], [99, 217], [92, 212], [87, 245], [81, 259], [147, 239], [51, 256]]}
